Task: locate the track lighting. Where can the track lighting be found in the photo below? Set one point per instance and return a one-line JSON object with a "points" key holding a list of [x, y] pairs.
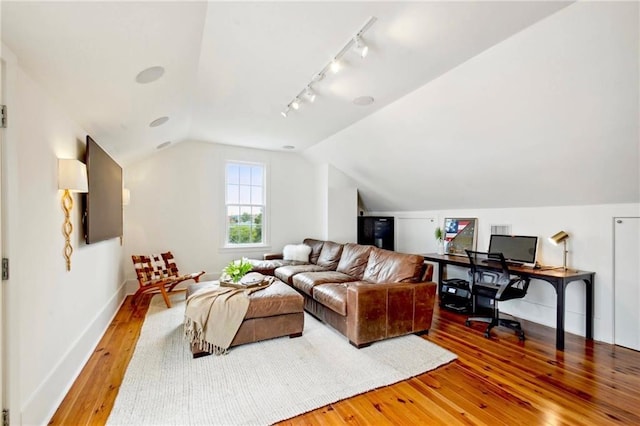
{"points": [[334, 65], [310, 94], [360, 48]]}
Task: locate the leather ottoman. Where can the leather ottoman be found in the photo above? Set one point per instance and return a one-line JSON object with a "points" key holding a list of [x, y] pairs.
{"points": [[275, 311]]}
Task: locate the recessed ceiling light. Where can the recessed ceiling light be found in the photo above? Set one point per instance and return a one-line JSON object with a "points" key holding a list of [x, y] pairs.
{"points": [[163, 144], [288, 147], [150, 75], [363, 100], [159, 121]]}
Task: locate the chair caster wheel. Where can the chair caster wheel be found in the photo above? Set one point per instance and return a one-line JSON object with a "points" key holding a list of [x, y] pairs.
{"points": [[521, 337], [487, 335], [467, 323]]}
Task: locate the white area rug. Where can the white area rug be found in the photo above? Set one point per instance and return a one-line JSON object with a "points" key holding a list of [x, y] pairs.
{"points": [[258, 383]]}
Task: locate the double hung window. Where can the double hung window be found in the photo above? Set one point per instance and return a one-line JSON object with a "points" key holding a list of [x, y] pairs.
{"points": [[245, 203]]}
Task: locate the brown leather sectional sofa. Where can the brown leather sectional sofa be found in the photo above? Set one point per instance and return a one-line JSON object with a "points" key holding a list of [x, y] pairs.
{"points": [[366, 293]]}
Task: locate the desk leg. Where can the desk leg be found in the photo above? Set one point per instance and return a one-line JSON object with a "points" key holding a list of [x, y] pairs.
{"points": [[560, 290], [589, 311], [441, 267]]}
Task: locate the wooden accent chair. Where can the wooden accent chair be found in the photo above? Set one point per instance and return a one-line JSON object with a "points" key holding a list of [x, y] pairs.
{"points": [[158, 273]]}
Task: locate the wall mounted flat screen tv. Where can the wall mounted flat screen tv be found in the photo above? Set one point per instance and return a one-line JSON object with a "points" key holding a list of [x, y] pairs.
{"points": [[103, 206], [515, 248]]}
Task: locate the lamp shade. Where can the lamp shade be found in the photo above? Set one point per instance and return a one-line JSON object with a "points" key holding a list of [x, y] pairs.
{"points": [[558, 237], [72, 175]]}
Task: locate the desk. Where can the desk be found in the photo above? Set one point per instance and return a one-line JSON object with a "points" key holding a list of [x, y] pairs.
{"points": [[558, 278]]}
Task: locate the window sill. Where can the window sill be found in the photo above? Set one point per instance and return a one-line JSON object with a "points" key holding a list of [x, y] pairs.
{"points": [[245, 247]]}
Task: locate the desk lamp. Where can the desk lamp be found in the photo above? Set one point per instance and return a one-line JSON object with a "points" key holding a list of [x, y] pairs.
{"points": [[557, 238]]}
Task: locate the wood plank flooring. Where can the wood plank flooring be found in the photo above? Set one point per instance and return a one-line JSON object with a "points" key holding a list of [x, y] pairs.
{"points": [[493, 382]]}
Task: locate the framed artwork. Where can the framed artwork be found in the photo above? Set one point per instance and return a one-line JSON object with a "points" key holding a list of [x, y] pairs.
{"points": [[460, 234]]}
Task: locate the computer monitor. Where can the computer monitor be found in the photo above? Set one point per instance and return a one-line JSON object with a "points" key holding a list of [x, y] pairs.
{"points": [[515, 248]]}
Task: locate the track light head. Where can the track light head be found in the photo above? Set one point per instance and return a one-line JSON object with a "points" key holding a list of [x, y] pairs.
{"points": [[360, 48], [335, 65], [310, 94], [285, 113], [295, 104]]}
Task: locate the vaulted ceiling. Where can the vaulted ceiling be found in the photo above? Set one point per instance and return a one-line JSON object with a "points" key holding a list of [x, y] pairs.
{"points": [[231, 68]]}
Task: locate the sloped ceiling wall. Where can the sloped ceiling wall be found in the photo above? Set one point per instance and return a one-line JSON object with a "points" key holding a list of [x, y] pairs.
{"points": [[547, 117]]}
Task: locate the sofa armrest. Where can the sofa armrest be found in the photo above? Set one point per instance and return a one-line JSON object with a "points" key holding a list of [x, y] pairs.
{"points": [[271, 256], [380, 311]]}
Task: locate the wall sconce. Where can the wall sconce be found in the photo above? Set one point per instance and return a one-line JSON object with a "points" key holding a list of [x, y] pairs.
{"points": [[72, 177], [557, 238]]}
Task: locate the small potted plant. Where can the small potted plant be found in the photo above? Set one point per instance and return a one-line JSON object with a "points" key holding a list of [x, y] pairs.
{"points": [[439, 234], [235, 270]]}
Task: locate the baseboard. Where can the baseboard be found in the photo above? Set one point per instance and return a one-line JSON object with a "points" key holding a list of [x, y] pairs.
{"points": [[574, 322], [45, 400]]}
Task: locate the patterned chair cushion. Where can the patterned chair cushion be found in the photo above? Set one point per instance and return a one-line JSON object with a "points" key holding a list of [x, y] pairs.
{"points": [[154, 267]]}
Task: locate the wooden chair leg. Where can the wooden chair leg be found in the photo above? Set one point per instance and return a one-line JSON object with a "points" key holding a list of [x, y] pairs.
{"points": [[165, 296]]}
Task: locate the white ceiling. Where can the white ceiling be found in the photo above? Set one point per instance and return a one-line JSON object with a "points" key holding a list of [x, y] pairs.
{"points": [[232, 67]]}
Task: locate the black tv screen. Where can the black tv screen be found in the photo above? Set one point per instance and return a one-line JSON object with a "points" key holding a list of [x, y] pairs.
{"points": [[103, 209]]}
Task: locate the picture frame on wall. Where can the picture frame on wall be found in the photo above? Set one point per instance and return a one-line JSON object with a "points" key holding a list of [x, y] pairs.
{"points": [[460, 234]]}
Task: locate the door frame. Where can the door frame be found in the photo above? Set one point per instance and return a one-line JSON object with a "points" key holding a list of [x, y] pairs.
{"points": [[10, 226]]}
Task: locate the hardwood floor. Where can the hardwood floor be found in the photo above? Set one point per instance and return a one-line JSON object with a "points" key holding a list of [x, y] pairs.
{"points": [[497, 381]]}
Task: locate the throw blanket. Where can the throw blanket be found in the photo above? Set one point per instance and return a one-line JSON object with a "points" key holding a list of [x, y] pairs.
{"points": [[212, 317]]}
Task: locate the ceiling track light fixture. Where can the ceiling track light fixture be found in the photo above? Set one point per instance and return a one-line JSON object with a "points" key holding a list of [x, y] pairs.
{"points": [[334, 65]]}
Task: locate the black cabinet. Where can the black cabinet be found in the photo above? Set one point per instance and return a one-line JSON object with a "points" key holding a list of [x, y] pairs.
{"points": [[376, 231]]}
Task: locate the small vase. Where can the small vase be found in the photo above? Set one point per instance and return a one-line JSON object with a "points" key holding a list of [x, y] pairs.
{"points": [[440, 247]]}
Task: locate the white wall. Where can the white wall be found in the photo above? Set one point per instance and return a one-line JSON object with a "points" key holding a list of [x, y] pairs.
{"points": [[590, 248], [342, 207], [56, 317], [549, 116], [177, 204]]}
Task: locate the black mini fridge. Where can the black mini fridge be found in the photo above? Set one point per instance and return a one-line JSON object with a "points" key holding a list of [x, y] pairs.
{"points": [[376, 231]]}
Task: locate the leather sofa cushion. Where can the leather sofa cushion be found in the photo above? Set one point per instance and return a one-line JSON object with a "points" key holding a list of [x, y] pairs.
{"points": [[333, 296], [330, 255], [307, 281], [388, 266], [316, 248], [354, 259], [286, 273]]}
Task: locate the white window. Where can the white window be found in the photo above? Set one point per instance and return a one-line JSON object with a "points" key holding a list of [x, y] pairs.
{"points": [[245, 203]]}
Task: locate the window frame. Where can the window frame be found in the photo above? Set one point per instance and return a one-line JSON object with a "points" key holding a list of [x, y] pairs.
{"points": [[264, 243]]}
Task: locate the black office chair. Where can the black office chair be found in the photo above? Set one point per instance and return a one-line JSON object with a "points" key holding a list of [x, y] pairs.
{"points": [[490, 277]]}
